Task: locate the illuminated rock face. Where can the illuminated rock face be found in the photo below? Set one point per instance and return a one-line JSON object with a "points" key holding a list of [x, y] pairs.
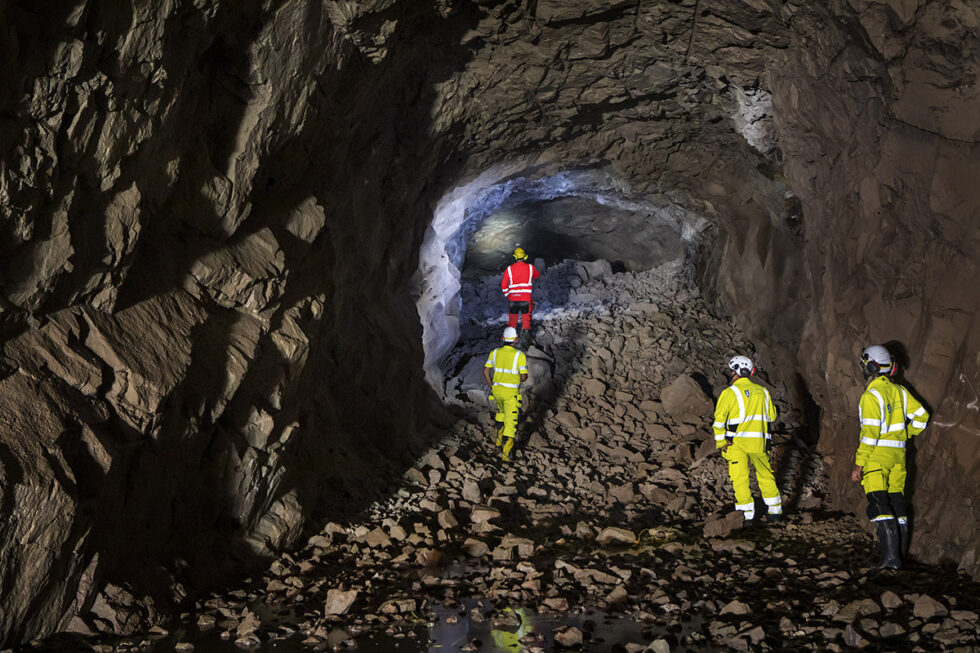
{"points": [[217, 220]]}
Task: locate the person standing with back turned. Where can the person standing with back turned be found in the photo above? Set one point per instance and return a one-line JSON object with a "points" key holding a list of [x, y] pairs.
{"points": [[889, 417], [741, 428], [516, 284], [509, 368]]}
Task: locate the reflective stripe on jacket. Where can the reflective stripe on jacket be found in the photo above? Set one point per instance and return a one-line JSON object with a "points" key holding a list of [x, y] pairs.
{"points": [[517, 281], [747, 409], [508, 364], [889, 416]]}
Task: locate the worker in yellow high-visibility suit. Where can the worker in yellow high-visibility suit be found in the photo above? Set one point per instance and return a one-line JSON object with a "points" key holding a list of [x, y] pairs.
{"points": [[889, 417], [741, 429], [509, 368]]}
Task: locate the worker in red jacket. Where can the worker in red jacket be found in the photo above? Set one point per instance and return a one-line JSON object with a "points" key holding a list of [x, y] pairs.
{"points": [[516, 284]]}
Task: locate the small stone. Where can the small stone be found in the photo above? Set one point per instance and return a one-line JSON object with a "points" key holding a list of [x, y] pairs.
{"points": [[397, 533], [594, 387], [447, 520], [755, 635], [428, 557], [433, 460], [658, 646], [339, 601], [618, 595], [890, 600], [717, 525], [475, 548], [471, 491], [483, 514], [853, 638], [557, 604], [377, 538], [249, 624], [927, 607], [569, 638], [736, 607], [184, 647], [614, 535], [416, 476], [890, 629], [852, 610]]}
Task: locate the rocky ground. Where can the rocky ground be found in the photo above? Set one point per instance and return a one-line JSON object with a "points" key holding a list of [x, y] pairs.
{"points": [[612, 530]]}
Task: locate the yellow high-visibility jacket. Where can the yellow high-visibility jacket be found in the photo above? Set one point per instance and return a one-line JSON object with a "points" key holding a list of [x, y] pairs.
{"points": [[747, 409], [889, 416], [508, 364]]}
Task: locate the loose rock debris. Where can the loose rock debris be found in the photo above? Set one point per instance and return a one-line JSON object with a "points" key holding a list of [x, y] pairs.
{"points": [[612, 530]]}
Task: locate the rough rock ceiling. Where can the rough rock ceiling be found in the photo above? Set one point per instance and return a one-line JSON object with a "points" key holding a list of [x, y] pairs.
{"points": [[211, 215], [572, 228]]}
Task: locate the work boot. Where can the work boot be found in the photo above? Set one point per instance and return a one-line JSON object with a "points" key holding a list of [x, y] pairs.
{"points": [[903, 541], [774, 518], [889, 545]]}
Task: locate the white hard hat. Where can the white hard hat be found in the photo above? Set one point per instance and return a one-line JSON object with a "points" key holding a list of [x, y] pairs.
{"points": [[741, 365], [877, 360], [510, 334]]}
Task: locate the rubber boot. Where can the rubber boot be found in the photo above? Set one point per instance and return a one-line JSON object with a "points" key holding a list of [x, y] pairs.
{"points": [[903, 541], [500, 434], [889, 543]]}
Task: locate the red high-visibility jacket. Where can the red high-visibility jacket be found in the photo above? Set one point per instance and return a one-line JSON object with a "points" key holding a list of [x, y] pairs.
{"points": [[517, 281]]}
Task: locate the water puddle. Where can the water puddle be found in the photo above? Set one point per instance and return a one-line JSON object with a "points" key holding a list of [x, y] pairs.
{"points": [[470, 625]]}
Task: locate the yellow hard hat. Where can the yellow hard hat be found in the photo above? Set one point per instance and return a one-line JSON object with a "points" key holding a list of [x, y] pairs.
{"points": [[520, 254]]}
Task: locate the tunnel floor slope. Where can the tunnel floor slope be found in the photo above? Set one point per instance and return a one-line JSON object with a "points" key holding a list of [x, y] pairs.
{"points": [[612, 530]]}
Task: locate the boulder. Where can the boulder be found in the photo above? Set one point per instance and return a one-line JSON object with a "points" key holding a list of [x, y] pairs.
{"points": [[685, 401]]}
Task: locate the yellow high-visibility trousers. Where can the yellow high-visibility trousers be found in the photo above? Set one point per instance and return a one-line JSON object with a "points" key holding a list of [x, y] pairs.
{"points": [[508, 402], [883, 477], [738, 471]]}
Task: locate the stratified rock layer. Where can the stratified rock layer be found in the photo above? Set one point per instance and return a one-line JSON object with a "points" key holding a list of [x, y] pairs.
{"points": [[211, 216]]}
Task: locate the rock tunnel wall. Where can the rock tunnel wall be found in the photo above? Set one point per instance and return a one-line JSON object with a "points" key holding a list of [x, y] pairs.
{"points": [[212, 214], [209, 335], [879, 121]]}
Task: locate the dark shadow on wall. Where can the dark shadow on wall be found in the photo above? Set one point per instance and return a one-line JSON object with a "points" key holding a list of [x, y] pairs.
{"points": [[900, 356], [346, 420], [800, 462]]}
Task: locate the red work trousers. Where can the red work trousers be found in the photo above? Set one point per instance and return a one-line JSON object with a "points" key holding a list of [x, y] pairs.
{"points": [[524, 310]]}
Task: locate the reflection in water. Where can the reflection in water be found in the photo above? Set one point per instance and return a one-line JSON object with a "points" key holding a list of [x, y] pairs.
{"points": [[468, 626]]}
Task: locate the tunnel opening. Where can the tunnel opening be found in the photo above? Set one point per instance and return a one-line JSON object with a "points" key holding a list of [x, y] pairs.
{"points": [[577, 225]]}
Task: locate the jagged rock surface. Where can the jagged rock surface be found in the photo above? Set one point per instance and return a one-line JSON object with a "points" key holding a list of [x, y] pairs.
{"points": [[211, 215], [594, 532]]}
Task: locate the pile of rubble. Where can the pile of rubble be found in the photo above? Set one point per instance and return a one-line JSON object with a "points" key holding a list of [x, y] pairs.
{"points": [[613, 527]]}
